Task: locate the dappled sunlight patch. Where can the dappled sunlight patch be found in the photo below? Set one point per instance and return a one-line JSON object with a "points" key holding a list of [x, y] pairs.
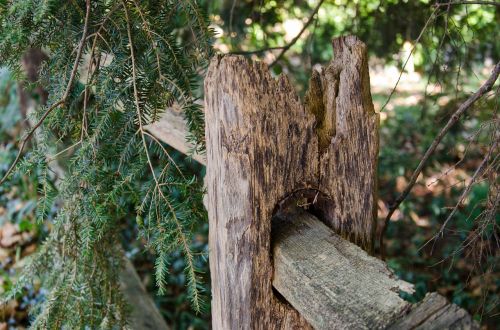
{"points": [[383, 211], [419, 220], [384, 78]]}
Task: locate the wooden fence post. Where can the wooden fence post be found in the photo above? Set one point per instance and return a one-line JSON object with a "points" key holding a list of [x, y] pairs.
{"points": [[265, 150]]}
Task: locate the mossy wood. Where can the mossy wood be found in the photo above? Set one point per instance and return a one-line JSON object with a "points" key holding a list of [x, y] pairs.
{"points": [[265, 150]]}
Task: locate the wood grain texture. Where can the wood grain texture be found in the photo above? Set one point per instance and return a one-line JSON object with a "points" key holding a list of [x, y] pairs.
{"points": [[172, 130], [333, 283], [266, 148], [435, 312]]}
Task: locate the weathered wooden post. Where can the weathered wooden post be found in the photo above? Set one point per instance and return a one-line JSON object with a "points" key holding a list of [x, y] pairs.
{"points": [[266, 150]]}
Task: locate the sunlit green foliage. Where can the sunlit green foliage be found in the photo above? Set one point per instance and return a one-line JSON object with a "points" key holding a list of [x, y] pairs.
{"points": [[455, 36], [108, 173]]}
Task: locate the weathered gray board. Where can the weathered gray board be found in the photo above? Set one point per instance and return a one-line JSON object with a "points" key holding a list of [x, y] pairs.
{"points": [[334, 284], [171, 129], [435, 312]]}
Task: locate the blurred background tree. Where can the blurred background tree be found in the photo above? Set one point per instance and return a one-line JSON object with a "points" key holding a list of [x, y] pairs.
{"points": [[426, 58]]}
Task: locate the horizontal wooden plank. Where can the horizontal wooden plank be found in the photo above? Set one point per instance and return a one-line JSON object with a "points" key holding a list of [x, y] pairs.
{"points": [[172, 130], [335, 284], [330, 281], [435, 312]]}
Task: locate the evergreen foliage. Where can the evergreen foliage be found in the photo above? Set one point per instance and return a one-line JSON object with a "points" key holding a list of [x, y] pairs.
{"points": [[114, 67]]}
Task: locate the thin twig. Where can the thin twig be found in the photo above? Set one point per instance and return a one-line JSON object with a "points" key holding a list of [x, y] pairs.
{"points": [[485, 88], [489, 3], [431, 17], [257, 51], [52, 158], [294, 40], [466, 191], [58, 103], [231, 15], [464, 194], [166, 153]]}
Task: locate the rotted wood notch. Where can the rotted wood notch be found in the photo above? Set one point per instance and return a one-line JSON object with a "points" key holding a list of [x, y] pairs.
{"points": [[263, 143], [265, 148]]}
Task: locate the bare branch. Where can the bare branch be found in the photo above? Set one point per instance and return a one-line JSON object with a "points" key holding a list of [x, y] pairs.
{"points": [[485, 88], [489, 3], [58, 103], [466, 191], [231, 15], [257, 51], [430, 19], [479, 171], [294, 40]]}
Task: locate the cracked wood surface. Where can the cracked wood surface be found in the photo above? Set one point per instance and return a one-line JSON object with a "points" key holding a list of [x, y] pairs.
{"points": [[435, 312], [334, 284], [265, 148]]}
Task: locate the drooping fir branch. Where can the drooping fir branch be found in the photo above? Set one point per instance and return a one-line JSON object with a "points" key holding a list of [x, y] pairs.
{"points": [[178, 225], [59, 102], [113, 68]]}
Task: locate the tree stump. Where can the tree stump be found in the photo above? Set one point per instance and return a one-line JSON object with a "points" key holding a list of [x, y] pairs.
{"points": [[267, 150]]}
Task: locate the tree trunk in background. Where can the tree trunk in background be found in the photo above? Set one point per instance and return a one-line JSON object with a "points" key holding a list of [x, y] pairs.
{"points": [[31, 62]]}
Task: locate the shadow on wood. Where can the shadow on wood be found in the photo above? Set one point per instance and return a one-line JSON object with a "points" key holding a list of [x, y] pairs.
{"points": [[262, 145], [268, 153]]}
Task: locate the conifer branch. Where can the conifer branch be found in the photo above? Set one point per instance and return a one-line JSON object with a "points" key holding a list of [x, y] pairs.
{"points": [[150, 33], [56, 104], [165, 152], [179, 228], [113, 156]]}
